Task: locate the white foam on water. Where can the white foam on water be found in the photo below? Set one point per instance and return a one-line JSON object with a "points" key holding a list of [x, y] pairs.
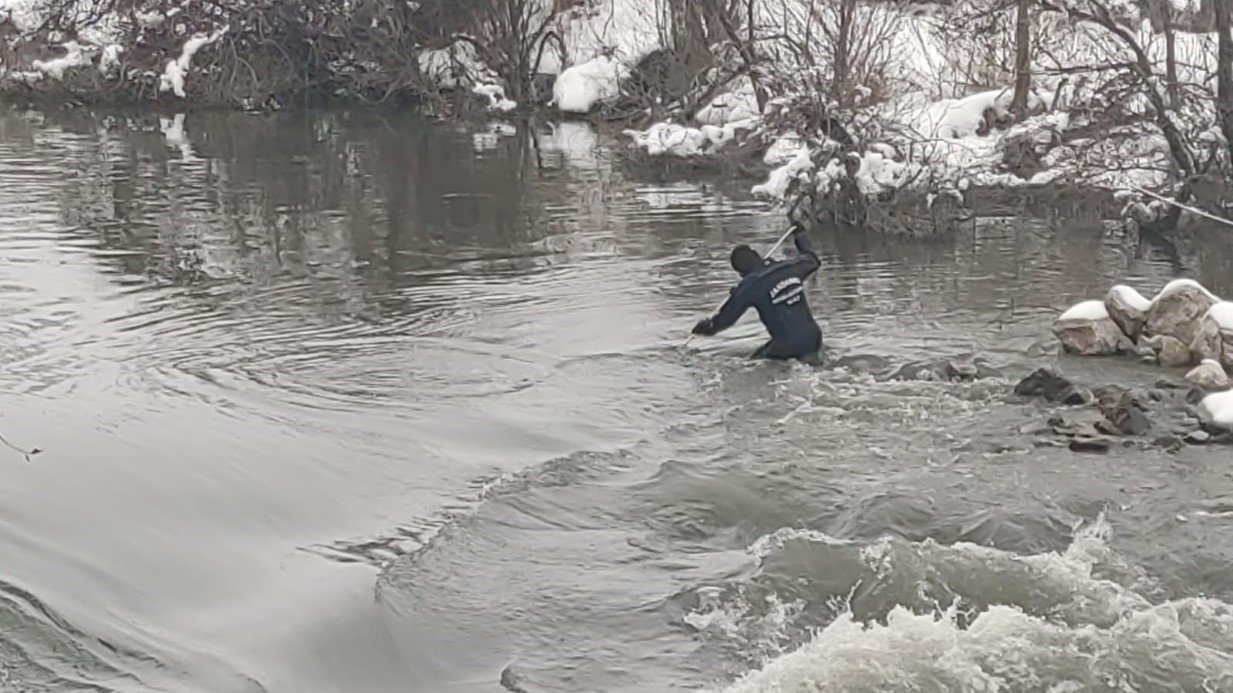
{"points": [[759, 630], [1057, 629]]}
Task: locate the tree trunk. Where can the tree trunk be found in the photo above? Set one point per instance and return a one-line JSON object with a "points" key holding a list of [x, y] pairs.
{"points": [[1224, 74], [1161, 15], [690, 42], [842, 59], [1023, 58]]}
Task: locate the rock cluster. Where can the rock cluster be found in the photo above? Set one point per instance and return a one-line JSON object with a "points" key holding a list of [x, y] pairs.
{"points": [[1183, 326], [1098, 419]]}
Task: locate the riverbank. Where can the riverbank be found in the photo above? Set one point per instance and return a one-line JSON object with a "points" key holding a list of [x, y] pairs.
{"points": [[902, 134]]}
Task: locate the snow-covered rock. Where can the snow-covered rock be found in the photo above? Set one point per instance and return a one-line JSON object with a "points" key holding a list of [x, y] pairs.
{"points": [[110, 59], [674, 139], [496, 97], [579, 87], [1128, 308], [1217, 409], [784, 149], [670, 138], [1177, 310], [777, 183], [878, 173], [176, 71], [1209, 375], [1214, 338], [1087, 330], [77, 56]]}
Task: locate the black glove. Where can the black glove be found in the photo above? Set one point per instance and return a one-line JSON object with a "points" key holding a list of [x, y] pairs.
{"points": [[704, 327]]}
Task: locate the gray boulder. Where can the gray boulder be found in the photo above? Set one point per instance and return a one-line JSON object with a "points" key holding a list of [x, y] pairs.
{"points": [[1214, 338], [1177, 310], [1087, 330], [1128, 308], [1209, 375], [1170, 352]]}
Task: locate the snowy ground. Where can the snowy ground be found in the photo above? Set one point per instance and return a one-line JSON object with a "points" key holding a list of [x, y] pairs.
{"points": [[98, 45], [930, 136]]}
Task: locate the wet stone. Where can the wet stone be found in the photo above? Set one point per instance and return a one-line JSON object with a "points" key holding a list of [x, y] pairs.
{"points": [[1198, 438], [946, 370], [1195, 395], [964, 371], [1034, 429], [1091, 444], [1168, 443], [1124, 414], [1049, 384]]}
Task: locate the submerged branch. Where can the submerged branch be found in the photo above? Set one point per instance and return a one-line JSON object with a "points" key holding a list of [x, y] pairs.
{"points": [[24, 453]]}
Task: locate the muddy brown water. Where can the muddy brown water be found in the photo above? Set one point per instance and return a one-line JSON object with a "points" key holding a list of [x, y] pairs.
{"points": [[340, 402]]}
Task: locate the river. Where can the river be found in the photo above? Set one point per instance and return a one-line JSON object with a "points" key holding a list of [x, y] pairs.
{"points": [[344, 402]]}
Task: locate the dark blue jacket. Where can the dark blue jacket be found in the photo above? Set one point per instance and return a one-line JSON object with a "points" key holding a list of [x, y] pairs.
{"points": [[777, 292]]}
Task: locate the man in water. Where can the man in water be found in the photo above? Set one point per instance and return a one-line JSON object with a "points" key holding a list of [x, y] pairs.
{"points": [[777, 292]]}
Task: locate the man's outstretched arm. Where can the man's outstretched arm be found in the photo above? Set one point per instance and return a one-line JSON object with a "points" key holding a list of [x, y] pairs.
{"points": [[738, 302], [806, 262]]}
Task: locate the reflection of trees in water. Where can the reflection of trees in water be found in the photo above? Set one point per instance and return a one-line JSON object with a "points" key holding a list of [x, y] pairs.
{"points": [[359, 202], [1213, 245], [357, 208]]}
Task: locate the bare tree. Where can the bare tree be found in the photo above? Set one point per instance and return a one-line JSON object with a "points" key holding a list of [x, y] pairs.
{"points": [[514, 34], [1224, 73], [1097, 12]]}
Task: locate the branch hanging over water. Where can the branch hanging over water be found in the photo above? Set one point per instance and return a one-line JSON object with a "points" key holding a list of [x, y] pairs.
{"points": [[1188, 208], [24, 453]]}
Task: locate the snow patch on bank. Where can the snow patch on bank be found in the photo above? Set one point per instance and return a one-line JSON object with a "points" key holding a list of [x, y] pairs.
{"points": [[26, 15], [580, 87], [933, 137], [176, 72], [56, 67], [780, 180], [496, 97], [682, 141], [623, 31]]}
